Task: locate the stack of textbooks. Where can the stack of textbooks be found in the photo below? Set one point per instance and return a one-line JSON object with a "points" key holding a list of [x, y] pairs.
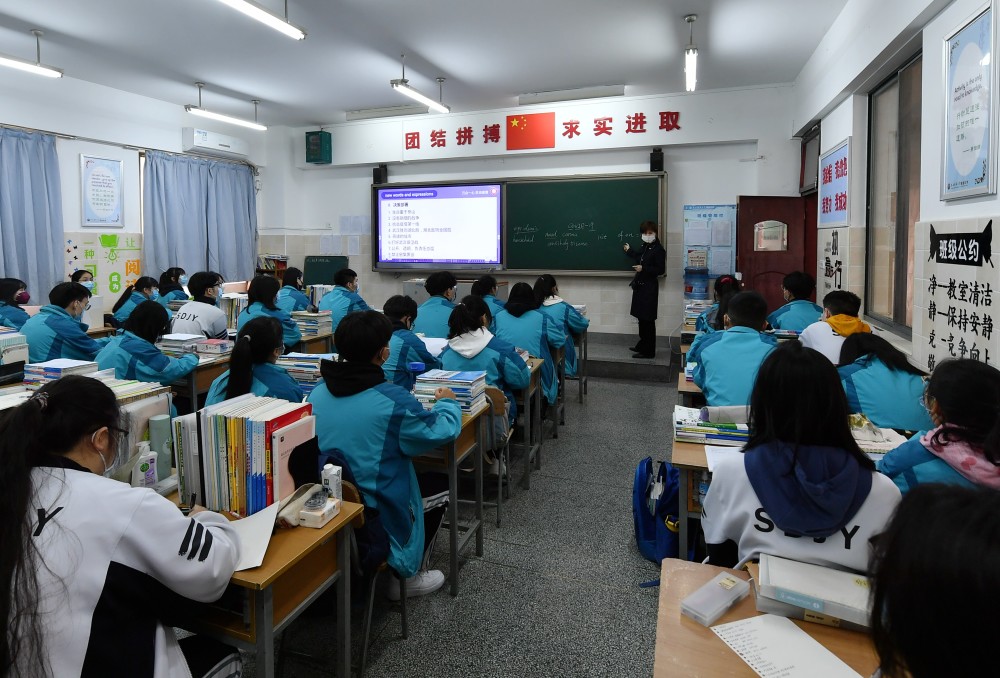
{"points": [[693, 309], [233, 456], [689, 371], [130, 390], [232, 304], [177, 345], [214, 346], [39, 374], [304, 368], [469, 388], [13, 354], [317, 292], [689, 428], [313, 324]]}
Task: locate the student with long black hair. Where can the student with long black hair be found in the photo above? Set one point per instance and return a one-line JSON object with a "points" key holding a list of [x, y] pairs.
{"points": [[802, 489], [711, 319], [143, 289], [290, 296], [171, 287], [881, 383], [486, 287], [57, 330], [521, 324], [13, 293], [90, 567], [251, 366], [573, 323], [934, 609], [261, 298], [963, 398], [405, 348], [133, 354]]}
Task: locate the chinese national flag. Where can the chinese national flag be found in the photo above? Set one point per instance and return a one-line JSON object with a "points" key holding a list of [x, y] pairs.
{"points": [[531, 130]]}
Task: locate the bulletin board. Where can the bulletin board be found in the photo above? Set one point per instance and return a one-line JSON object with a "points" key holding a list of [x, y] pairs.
{"points": [[710, 238]]}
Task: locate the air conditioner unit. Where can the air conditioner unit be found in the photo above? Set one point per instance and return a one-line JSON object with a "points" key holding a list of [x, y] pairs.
{"points": [[196, 140]]}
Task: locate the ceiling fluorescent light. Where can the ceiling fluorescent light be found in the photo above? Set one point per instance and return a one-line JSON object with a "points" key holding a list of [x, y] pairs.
{"points": [[386, 112], [402, 85], [599, 92], [255, 11], [691, 56], [37, 68], [198, 110]]}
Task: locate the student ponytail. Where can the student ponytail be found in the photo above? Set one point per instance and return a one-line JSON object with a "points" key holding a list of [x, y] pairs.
{"points": [[143, 283], [967, 393], [50, 423], [484, 284], [255, 344], [543, 288], [468, 316], [865, 343]]}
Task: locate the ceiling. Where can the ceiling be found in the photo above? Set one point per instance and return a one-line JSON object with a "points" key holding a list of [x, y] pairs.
{"points": [[490, 52]]}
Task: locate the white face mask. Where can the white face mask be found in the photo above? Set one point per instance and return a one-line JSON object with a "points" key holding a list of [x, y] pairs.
{"points": [[108, 470], [649, 237]]}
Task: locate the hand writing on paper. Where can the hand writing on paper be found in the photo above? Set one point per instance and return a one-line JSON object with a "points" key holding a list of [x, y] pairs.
{"points": [[444, 392], [637, 268]]}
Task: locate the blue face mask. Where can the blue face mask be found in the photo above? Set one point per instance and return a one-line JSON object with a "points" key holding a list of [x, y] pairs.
{"points": [[156, 295], [183, 280], [89, 285]]}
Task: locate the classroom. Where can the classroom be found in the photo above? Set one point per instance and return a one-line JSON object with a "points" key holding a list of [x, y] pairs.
{"points": [[863, 134]]}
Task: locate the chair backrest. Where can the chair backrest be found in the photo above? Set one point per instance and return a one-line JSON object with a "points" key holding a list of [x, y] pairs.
{"points": [[497, 399], [351, 494]]}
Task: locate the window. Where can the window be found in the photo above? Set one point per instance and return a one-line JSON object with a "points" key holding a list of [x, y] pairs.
{"points": [[893, 197]]}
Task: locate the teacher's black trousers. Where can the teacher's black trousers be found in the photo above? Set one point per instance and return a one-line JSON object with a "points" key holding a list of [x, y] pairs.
{"points": [[647, 338]]}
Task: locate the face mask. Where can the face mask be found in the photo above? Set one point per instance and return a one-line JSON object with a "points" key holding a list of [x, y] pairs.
{"points": [[89, 285], [155, 295], [109, 470], [183, 280], [22, 297], [648, 238], [357, 288]]}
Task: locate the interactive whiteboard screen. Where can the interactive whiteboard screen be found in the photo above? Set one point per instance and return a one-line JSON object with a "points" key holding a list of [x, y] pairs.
{"points": [[448, 226]]}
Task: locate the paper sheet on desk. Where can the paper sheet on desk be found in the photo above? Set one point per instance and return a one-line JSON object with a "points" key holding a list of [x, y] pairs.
{"points": [[255, 534], [774, 646], [434, 345], [716, 453]]}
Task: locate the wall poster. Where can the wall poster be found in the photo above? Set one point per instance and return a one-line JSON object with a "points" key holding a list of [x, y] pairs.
{"points": [[710, 238], [832, 263], [101, 192], [834, 185]]}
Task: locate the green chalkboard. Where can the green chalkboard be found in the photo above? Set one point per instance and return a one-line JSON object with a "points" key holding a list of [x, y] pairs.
{"points": [[576, 224], [319, 270]]}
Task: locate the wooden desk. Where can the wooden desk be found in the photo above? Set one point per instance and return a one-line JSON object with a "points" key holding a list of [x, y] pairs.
{"points": [[300, 564], [531, 428], [101, 332], [200, 379], [320, 343], [686, 648], [689, 459], [691, 395], [470, 441]]}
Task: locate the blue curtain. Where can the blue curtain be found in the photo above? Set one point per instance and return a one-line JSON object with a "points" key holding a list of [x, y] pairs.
{"points": [[200, 215], [31, 220]]}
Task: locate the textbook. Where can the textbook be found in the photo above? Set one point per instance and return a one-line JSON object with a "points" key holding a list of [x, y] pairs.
{"points": [[304, 368], [469, 388], [872, 439], [820, 590], [214, 346], [37, 375], [689, 427], [313, 324]]}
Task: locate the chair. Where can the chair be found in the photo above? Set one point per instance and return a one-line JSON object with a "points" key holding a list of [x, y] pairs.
{"points": [[497, 402], [352, 494]]}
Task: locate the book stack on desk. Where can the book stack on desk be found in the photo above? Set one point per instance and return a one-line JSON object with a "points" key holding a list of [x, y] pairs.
{"points": [[689, 428], [13, 354], [176, 304], [312, 324], [232, 304], [689, 371], [214, 346], [39, 374], [317, 292], [693, 309], [469, 388], [304, 368], [130, 390], [176, 345]]}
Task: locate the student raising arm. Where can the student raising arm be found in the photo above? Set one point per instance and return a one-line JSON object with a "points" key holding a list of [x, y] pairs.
{"points": [[261, 296], [56, 331], [251, 366]]}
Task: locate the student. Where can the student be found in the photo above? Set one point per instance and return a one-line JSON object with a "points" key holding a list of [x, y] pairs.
{"points": [[93, 568], [13, 293], [839, 321], [171, 287], [802, 488], [486, 287], [133, 354], [963, 397], [344, 298], [405, 347], [799, 312], [56, 331], [290, 296], [473, 347], [380, 427], [710, 319], [558, 311], [881, 383], [935, 575], [433, 314], [252, 366], [521, 325], [261, 296], [81, 276], [144, 289], [719, 310], [202, 314], [728, 361]]}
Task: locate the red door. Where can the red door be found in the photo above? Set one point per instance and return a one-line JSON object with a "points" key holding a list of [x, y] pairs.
{"points": [[763, 271]]}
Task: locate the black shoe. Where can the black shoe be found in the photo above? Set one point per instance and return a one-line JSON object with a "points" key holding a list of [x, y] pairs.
{"points": [[644, 356], [634, 348]]}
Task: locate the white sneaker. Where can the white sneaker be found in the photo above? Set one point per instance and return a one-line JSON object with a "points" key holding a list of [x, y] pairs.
{"points": [[420, 584]]}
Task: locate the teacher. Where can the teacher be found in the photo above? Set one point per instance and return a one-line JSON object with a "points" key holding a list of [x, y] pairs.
{"points": [[651, 263]]}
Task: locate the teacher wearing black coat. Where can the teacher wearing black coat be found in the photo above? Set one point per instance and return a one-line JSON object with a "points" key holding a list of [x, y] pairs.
{"points": [[651, 263]]}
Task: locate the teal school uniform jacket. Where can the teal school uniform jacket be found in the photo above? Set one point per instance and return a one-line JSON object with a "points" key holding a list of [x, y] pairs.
{"points": [[495, 306], [432, 318], [292, 299], [795, 315], [728, 364], [536, 334], [572, 321], [889, 398], [176, 294], [269, 380], [53, 333], [340, 301], [404, 348], [379, 430], [290, 333], [133, 357], [703, 323], [122, 314], [912, 464], [12, 316], [505, 369]]}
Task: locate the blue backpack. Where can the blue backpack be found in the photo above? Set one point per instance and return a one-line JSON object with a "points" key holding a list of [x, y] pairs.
{"points": [[655, 518]]}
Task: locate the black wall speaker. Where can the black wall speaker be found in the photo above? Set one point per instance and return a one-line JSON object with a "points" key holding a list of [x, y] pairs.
{"points": [[656, 160], [380, 174]]}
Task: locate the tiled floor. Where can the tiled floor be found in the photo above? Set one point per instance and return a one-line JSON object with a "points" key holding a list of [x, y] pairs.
{"points": [[557, 591]]}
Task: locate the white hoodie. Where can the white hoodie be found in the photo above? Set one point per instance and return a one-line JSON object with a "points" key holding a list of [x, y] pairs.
{"points": [[471, 344]]}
